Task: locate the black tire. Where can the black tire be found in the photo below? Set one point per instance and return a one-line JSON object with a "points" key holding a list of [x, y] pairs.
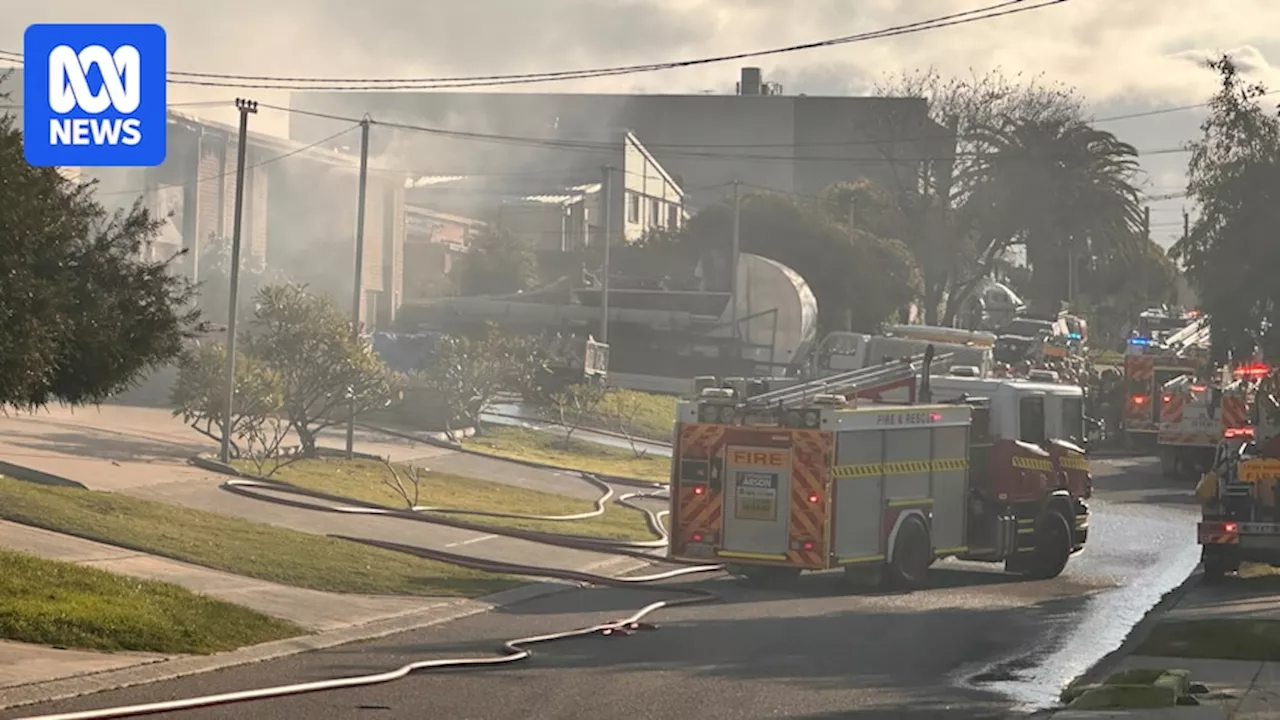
{"points": [[1217, 564], [1053, 547], [908, 569], [765, 576]]}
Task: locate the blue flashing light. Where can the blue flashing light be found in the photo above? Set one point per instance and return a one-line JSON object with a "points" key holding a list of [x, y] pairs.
{"points": [[1073, 336], [1139, 341]]}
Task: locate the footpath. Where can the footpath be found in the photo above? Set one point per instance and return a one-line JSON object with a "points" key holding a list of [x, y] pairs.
{"points": [[143, 452], [1205, 658]]}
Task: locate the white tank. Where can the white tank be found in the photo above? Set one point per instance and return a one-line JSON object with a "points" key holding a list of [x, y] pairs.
{"points": [[777, 312]]}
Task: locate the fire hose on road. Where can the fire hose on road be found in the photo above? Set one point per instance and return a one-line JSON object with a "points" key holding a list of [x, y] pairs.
{"points": [[512, 650]]}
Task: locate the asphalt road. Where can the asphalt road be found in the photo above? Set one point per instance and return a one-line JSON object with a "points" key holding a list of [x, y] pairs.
{"points": [[977, 644]]}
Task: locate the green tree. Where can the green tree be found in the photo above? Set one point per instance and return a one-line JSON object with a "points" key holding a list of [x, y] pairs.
{"points": [[82, 315], [200, 399], [1120, 288], [932, 208], [470, 374], [215, 279], [497, 264], [1063, 190], [324, 373], [1230, 254], [859, 280]]}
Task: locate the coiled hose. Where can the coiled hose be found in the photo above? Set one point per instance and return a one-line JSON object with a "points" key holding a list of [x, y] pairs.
{"points": [[512, 650]]}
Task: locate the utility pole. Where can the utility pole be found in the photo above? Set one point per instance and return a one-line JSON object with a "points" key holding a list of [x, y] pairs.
{"points": [[357, 293], [1146, 222], [606, 216], [733, 256], [1186, 225], [246, 108]]}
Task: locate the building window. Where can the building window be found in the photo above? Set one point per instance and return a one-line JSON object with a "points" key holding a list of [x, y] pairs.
{"points": [[673, 217], [655, 212], [633, 208]]}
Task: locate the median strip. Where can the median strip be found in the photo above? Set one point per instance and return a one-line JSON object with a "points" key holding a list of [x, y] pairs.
{"points": [[554, 449], [401, 487]]}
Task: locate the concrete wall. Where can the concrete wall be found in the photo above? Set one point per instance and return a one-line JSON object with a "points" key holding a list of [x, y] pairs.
{"points": [[787, 143]]}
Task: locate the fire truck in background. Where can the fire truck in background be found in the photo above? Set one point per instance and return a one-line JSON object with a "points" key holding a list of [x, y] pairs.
{"points": [[1149, 365], [1196, 415], [825, 473]]}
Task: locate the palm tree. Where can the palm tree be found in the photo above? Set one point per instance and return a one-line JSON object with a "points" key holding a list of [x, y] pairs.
{"points": [[1064, 191]]}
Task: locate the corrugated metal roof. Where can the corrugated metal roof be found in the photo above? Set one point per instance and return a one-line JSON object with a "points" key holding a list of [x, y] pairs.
{"points": [[570, 195], [429, 180]]}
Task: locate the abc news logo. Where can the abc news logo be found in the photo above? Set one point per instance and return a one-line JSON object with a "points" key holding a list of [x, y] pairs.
{"points": [[70, 93]]}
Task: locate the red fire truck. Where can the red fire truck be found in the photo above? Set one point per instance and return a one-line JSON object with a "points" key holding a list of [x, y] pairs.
{"points": [[1195, 416], [813, 476]]}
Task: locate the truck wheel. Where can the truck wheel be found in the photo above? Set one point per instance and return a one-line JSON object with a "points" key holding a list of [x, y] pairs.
{"points": [[1216, 564], [765, 576], [908, 569], [1053, 547]]}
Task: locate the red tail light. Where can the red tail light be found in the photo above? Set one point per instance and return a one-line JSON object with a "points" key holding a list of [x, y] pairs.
{"points": [[814, 498], [699, 489], [696, 537], [808, 545], [1139, 399], [1230, 527], [1166, 398], [1238, 432]]}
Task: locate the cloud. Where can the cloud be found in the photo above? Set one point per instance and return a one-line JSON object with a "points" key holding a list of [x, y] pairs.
{"points": [[1140, 52]]}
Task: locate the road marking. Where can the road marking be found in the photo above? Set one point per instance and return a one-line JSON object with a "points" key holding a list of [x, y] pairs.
{"points": [[473, 540]]}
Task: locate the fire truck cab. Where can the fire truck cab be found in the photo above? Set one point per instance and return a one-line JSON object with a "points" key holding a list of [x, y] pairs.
{"points": [[826, 474]]}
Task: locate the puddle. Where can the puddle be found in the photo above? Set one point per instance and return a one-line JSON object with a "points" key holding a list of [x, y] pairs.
{"points": [[1077, 641]]}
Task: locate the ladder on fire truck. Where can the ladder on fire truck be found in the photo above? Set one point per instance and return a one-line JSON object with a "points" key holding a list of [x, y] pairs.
{"points": [[860, 380], [1195, 336]]}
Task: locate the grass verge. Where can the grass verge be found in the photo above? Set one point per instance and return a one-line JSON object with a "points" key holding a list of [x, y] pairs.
{"points": [[368, 480], [542, 447], [57, 603], [233, 545], [646, 415], [1218, 639]]}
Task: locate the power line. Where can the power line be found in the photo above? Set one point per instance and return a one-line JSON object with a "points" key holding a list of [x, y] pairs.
{"points": [[1002, 9], [600, 145], [669, 151]]}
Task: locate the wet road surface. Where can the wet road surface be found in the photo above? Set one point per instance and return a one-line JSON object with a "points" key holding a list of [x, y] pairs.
{"points": [[977, 644]]}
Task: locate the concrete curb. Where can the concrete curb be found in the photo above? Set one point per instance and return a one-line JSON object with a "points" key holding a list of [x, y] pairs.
{"points": [[162, 670], [1109, 663], [30, 475]]}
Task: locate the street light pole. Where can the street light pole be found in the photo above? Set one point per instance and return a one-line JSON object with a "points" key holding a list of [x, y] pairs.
{"points": [[606, 201], [246, 108], [357, 295], [733, 257]]}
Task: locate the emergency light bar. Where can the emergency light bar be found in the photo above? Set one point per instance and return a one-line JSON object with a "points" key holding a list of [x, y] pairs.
{"points": [[1252, 371], [1139, 341]]}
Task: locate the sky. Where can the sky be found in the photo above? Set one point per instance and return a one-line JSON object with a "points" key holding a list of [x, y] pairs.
{"points": [[1124, 56]]}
